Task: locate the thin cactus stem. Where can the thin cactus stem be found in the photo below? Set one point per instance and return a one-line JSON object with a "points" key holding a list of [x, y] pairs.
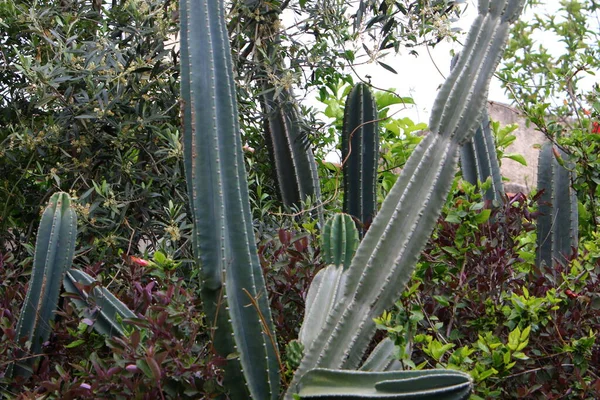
{"points": [[557, 225], [110, 311], [295, 166]]}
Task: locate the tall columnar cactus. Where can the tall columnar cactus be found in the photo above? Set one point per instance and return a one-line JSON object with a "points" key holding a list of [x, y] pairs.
{"points": [[54, 250], [360, 155], [295, 166], [386, 257], [232, 286], [557, 225], [478, 158]]}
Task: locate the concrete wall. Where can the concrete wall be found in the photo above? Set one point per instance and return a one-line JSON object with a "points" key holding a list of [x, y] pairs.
{"points": [[522, 178]]}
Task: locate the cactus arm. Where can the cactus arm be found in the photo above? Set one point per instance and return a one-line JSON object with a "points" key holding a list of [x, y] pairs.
{"points": [[478, 158], [427, 384], [295, 166], [324, 293], [54, 249], [545, 220], [565, 206], [339, 241], [110, 310], [385, 259], [479, 161], [360, 154], [382, 358], [220, 207], [465, 91]]}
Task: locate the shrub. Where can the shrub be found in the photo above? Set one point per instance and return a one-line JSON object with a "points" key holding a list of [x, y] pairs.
{"points": [[478, 303]]}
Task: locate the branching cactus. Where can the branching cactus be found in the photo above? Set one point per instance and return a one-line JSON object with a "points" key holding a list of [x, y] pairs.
{"points": [[232, 287], [54, 250], [386, 257], [360, 155], [232, 284], [478, 158], [557, 225]]}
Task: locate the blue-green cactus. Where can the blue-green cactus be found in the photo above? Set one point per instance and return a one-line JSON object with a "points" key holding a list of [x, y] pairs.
{"points": [[54, 249], [232, 287], [360, 155], [557, 225]]}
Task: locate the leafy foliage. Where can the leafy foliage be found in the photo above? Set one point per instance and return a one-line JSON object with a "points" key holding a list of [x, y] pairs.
{"points": [[478, 303], [549, 87], [89, 105]]}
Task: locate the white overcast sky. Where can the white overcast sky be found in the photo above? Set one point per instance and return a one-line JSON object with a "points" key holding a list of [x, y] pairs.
{"points": [[419, 77]]}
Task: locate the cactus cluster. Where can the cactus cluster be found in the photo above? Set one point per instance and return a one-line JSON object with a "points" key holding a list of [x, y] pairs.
{"points": [[360, 155], [54, 250], [557, 225], [232, 284]]}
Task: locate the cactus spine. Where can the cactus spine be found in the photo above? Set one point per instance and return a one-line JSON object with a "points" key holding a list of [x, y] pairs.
{"points": [[360, 155], [385, 258], [232, 286], [54, 249], [557, 226]]}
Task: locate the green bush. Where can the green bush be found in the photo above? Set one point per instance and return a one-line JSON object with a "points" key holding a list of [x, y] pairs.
{"points": [[478, 303]]}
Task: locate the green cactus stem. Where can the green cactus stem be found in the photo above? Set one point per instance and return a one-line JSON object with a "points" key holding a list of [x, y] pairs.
{"points": [[557, 225], [339, 240], [324, 384], [232, 285], [295, 166], [360, 155], [478, 158], [108, 311], [54, 249]]}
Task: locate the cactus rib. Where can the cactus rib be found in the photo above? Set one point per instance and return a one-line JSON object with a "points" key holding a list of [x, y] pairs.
{"points": [[223, 235]]}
